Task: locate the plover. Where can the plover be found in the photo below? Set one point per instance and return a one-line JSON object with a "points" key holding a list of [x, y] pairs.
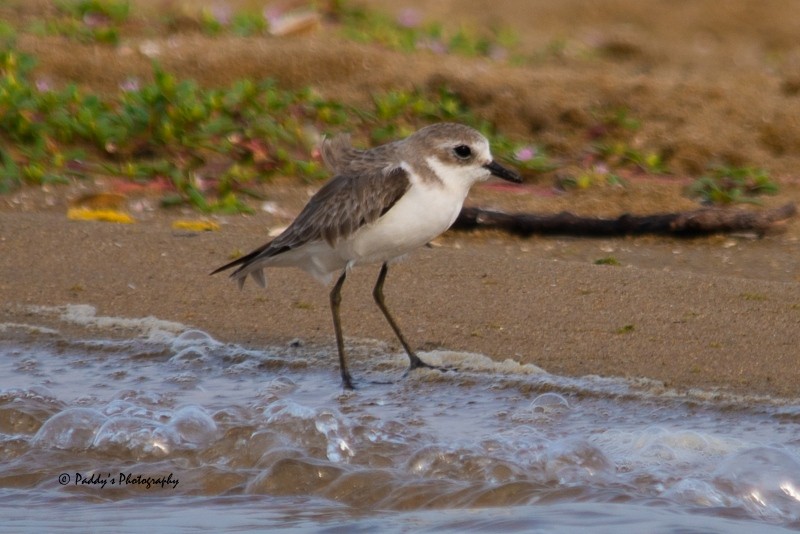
{"points": [[381, 204]]}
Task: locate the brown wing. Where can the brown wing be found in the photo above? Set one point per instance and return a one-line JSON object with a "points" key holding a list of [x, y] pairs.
{"points": [[343, 205]]}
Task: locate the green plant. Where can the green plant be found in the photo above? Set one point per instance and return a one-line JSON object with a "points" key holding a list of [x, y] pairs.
{"points": [[10, 176], [626, 329], [89, 20], [245, 24], [168, 129], [114, 10], [727, 185], [584, 178], [8, 35], [400, 112], [614, 143], [620, 153], [211, 146], [608, 260]]}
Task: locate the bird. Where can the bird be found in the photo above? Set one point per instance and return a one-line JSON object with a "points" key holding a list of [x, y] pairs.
{"points": [[380, 204]]}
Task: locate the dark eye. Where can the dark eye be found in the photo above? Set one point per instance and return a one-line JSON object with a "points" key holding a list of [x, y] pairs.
{"points": [[462, 151]]}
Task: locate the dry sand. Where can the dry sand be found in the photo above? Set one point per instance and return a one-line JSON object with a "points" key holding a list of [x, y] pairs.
{"points": [[709, 81]]}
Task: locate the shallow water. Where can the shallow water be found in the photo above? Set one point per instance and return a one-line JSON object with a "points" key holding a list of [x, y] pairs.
{"points": [[148, 424]]}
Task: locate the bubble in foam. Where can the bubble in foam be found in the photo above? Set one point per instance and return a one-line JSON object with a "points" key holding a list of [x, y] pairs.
{"points": [[193, 425], [123, 407], [193, 339], [545, 406], [696, 492], [324, 427], [287, 410], [549, 403], [575, 460], [429, 461], [331, 424], [464, 464], [294, 476], [191, 357], [74, 428], [136, 435], [24, 411], [766, 479]]}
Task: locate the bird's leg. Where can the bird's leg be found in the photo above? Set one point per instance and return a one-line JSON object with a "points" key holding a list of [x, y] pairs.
{"points": [[336, 300], [377, 293]]}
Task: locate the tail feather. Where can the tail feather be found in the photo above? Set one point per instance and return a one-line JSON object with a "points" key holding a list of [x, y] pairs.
{"points": [[258, 276], [243, 263], [243, 260]]}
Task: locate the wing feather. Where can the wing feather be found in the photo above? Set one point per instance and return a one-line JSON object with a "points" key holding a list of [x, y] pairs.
{"points": [[344, 205], [350, 200]]}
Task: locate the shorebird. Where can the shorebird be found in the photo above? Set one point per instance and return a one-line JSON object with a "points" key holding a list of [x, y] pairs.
{"points": [[380, 204]]}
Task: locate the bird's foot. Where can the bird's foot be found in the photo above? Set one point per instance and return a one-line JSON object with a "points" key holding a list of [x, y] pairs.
{"points": [[417, 363], [347, 382]]}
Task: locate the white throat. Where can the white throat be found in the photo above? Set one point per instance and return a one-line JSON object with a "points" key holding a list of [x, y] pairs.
{"points": [[457, 178]]}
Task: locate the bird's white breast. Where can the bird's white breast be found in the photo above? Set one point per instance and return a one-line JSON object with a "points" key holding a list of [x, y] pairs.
{"points": [[426, 210]]}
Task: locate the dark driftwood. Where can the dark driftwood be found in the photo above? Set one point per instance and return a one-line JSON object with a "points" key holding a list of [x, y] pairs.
{"points": [[686, 223]]}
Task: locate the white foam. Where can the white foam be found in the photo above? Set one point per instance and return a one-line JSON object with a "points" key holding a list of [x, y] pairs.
{"points": [[151, 328], [479, 362], [31, 328]]}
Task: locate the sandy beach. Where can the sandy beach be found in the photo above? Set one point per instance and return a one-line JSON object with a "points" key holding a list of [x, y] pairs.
{"points": [[718, 312]]}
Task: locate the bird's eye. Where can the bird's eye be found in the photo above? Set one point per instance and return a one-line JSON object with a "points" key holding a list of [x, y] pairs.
{"points": [[462, 151]]}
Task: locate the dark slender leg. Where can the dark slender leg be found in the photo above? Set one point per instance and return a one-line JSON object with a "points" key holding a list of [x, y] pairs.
{"points": [[377, 293], [336, 300]]}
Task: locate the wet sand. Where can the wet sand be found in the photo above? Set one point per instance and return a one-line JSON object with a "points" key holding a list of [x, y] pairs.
{"points": [[721, 312]]}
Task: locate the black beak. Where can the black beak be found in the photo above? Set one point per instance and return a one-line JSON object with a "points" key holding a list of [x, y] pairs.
{"points": [[501, 172]]}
